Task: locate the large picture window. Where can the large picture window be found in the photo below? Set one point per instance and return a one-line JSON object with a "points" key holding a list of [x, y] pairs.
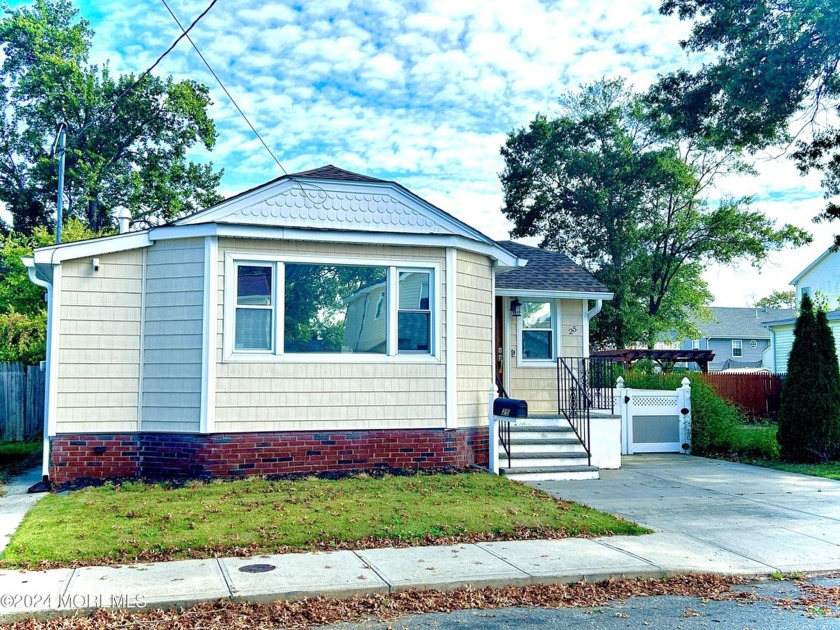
{"points": [[333, 308], [254, 307], [537, 332], [296, 307]]}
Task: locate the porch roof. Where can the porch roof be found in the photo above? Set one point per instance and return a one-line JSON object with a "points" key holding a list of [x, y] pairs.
{"points": [[548, 272]]}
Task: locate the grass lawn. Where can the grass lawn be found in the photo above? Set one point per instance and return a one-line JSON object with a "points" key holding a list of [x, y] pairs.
{"points": [[136, 521], [15, 457], [830, 470]]}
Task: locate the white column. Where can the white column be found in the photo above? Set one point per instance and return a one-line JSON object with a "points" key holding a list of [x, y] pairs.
{"points": [[451, 339], [684, 401]]}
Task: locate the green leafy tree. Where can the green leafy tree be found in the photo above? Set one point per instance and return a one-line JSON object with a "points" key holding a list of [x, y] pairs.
{"points": [[773, 79], [778, 299], [129, 151], [23, 311], [611, 186], [809, 414]]}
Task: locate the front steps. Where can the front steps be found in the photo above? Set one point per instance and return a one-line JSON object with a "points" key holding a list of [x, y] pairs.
{"points": [[547, 451]]}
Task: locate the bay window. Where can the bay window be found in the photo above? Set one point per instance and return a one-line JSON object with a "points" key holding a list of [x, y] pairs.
{"points": [[297, 308]]}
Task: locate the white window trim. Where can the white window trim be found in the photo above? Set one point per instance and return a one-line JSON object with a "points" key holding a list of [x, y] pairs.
{"points": [[695, 344], [276, 295], [555, 342], [433, 341], [232, 355], [740, 347]]}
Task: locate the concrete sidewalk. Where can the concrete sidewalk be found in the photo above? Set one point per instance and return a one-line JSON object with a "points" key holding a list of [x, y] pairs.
{"points": [[711, 517], [347, 573], [15, 502]]}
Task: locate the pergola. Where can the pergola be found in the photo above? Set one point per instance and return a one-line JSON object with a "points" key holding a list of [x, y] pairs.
{"points": [[628, 355]]}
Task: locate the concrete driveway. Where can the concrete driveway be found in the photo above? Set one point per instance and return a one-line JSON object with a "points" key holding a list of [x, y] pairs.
{"points": [[782, 520]]}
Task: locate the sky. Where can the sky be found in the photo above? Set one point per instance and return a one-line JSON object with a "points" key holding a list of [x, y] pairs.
{"points": [[424, 93]]}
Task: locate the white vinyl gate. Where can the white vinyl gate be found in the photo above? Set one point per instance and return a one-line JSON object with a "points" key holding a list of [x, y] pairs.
{"points": [[654, 421]]}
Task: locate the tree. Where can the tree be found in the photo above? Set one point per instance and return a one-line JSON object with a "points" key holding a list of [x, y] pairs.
{"points": [[23, 312], [776, 66], [809, 414], [778, 299], [615, 189], [128, 151]]}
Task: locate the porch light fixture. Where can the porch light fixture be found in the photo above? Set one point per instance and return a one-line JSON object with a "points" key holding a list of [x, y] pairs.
{"points": [[516, 307]]}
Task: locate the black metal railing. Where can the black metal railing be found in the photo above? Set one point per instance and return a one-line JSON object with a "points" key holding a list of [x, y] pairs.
{"points": [[500, 388], [504, 437], [574, 404], [597, 376]]}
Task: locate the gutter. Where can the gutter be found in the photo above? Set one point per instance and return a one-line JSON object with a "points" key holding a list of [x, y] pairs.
{"points": [[595, 309], [44, 485]]}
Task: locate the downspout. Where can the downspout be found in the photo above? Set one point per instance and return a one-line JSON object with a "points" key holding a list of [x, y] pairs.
{"points": [[44, 485], [595, 309]]}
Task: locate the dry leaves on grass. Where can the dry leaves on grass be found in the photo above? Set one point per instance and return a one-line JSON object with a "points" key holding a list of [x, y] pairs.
{"points": [[223, 615], [201, 552]]}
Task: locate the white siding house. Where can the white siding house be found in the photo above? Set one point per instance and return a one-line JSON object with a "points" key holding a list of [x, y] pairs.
{"points": [[821, 276], [820, 280], [325, 320]]}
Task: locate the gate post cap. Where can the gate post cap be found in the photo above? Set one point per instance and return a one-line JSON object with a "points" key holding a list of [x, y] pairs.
{"points": [[685, 382], [620, 381]]}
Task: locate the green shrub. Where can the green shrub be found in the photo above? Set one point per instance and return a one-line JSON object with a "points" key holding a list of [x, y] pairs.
{"points": [[717, 426], [809, 414]]}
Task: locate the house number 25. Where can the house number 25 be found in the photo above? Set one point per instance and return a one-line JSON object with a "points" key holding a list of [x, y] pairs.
{"points": [[572, 330]]}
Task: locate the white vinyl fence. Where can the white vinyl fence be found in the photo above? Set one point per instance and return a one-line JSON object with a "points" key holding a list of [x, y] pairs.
{"points": [[654, 421]]}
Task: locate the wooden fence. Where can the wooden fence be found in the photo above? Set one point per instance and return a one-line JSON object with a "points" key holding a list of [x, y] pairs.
{"points": [[757, 394], [21, 401]]}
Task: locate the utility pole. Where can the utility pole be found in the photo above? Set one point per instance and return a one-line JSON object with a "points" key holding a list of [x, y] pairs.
{"points": [[62, 146]]}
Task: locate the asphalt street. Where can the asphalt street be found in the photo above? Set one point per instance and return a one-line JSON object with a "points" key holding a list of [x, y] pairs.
{"points": [[771, 611]]}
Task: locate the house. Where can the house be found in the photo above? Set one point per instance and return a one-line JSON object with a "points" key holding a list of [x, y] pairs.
{"points": [[325, 320], [737, 336], [820, 277], [820, 280], [781, 332]]}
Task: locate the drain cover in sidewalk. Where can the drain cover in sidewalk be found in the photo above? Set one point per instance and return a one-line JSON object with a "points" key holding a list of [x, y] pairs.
{"points": [[257, 568]]}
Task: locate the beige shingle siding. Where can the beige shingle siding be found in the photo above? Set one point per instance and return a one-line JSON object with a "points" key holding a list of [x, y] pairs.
{"points": [[538, 385], [571, 316], [475, 332], [99, 344], [172, 336], [312, 396]]}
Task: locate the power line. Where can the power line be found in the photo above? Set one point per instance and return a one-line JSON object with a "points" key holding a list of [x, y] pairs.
{"points": [[146, 73], [222, 85], [242, 113]]}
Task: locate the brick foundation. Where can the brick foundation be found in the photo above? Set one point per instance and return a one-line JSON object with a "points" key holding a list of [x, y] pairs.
{"points": [[236, 454]]}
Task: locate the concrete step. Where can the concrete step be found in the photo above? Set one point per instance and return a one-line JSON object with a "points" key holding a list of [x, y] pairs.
{"points": [[546, 445], [551, 473], [540, 432], [529, 460]]}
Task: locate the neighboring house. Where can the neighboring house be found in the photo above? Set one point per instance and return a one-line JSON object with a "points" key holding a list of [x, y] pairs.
{"points": [[821, 276], [781, 332], [737, 336], [325, 320], [819, 279]]}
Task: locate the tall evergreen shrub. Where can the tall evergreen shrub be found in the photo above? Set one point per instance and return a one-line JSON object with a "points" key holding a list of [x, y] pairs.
{"points": [[809, 415]]}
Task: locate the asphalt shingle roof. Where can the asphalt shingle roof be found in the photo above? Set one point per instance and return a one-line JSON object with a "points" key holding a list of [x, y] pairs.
{"points": [[546, 271], [741, 323], [333, 172]]}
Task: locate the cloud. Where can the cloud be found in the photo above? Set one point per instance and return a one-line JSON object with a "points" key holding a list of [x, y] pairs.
{"points": [[420, 92]]}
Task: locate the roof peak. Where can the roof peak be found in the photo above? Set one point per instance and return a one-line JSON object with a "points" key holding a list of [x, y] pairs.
{"points": [[330, 171]]}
